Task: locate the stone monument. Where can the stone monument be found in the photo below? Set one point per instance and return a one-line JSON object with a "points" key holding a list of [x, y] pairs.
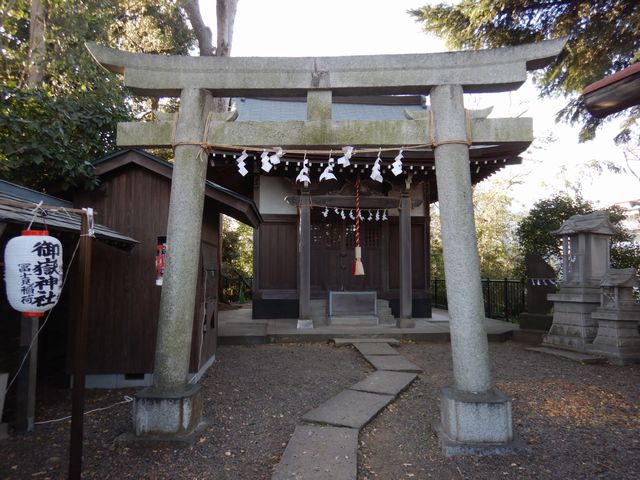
{"points": [[585, 260], [541, 281], [617, 317]]}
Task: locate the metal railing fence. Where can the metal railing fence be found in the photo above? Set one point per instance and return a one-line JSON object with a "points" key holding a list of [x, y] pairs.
{"points": [[503, 299]]}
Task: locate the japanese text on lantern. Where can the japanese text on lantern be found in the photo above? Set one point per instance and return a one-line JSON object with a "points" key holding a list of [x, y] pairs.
{"points": [[39, 280]]}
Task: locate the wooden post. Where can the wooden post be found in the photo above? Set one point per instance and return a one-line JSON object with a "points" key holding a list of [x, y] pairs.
{"points": [[405, 320], [27, 377], [79, 350], [304, 257]]}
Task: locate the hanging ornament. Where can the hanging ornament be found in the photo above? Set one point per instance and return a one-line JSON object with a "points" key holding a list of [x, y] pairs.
{"points": [[384, 216], [337, 211], [377, 215], [397, 164], [240, 161], [303, 176], [375, 170], [328, 171], [342, 215], [358, 268], [266, 164], [370, 215], [351, 215], [33, 272], [344, 159], [325, 212], [275, 158], [360, 216]]}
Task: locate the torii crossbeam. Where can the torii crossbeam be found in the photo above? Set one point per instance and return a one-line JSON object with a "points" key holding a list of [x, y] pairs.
{"points": [[474, 415]]}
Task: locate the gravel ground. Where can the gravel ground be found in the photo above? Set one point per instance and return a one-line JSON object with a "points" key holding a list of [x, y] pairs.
{"points": [[580, 421], [254, 397]]}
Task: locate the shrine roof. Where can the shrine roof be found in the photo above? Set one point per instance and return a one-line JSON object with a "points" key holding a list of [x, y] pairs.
{"points": [[595, 222], [17, 204], [229, 202], [614, 93]]}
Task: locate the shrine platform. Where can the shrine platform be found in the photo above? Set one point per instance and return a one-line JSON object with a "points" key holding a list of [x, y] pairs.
{"points": [[236, 327]]}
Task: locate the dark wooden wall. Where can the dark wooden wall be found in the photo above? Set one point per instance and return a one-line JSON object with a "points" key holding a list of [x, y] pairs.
{"points": [[278, 258], [275, 293], [124, 298]]}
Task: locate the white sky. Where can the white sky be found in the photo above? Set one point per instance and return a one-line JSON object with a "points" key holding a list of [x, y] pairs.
{"points": [[368, 27]]}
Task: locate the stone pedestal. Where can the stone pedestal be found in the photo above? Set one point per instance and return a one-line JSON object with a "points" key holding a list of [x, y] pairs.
{"points": [[617, 318], [573, 327], [476, 423], [617, 337], [168, 414]]}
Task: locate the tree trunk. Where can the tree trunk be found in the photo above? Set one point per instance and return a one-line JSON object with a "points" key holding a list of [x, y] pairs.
{"points": [[202, 32], [226, 16], [37, 47]]}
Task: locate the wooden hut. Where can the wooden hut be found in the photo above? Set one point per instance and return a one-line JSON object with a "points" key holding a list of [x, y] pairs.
{"points": [[134, 198]]}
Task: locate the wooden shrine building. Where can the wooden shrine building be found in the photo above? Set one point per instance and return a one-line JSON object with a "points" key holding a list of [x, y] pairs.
{"points": [[332, 234]]}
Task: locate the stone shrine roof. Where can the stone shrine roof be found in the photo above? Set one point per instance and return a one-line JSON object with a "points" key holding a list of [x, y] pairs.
{"points": [[596, 222]]}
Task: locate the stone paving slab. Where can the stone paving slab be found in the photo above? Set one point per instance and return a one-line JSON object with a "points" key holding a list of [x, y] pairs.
{"points": [[569, 355], [350, 341], [385, 382], [320, 452], [375, 349], [349, 409], [395, 363]]}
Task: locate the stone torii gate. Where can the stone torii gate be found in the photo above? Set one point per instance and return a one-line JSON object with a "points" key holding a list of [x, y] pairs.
{"points": [[474, 415]]}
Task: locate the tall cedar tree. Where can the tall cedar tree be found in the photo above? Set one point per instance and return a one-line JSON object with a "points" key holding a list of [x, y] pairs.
{"points": [[603, 38]]}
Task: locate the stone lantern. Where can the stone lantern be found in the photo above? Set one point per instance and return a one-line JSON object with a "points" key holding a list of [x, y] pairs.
{"points": [[617, 318], [586, 241]]}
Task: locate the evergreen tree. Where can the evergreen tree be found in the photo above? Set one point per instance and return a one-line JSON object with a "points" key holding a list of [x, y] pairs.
{"points": [[603, 38], [54, 123]]}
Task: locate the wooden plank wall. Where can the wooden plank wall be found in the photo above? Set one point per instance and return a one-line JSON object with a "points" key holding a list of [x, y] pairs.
{"points": [[278, 256], [124, 298]]}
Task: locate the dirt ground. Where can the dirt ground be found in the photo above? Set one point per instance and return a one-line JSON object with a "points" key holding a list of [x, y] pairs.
{"points": [[580, 421]]}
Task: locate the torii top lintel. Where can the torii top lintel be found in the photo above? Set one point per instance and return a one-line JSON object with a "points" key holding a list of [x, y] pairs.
{"points": [[478, 71]]}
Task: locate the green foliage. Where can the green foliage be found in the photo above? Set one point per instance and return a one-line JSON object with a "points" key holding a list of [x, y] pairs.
{"points": [[497, 246], [50, 134], [237, 248], [603, 38], [534, 231], [47, 140]]}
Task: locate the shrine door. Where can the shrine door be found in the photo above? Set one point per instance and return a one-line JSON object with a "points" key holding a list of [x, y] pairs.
{"points": [[333, 251]]}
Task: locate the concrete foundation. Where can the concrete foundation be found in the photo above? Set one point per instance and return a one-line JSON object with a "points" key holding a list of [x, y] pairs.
{"points": [[174, 413], [573, 327], [476, 424]]}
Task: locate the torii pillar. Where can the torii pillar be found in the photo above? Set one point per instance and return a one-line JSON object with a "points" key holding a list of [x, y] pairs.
{"points": [[173, 406], [473, 392]]}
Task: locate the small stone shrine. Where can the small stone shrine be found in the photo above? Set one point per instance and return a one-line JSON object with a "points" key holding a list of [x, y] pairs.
{"points": [[617, 318], [585, 260]]}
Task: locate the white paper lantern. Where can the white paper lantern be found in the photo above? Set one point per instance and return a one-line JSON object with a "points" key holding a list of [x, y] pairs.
{"points": [[33, 272]]}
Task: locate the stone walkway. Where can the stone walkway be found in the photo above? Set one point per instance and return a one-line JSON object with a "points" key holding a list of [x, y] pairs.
{"points": [[325, 443]]}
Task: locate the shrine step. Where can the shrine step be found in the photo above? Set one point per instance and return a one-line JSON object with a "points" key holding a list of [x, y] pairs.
{"points": [[353, 321]]}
